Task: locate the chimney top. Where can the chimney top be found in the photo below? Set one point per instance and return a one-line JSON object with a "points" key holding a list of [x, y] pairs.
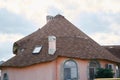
{"points": [[59, 16], [49, 17]]}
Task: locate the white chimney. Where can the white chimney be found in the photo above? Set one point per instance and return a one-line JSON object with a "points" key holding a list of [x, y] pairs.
{"points": [[48, 18], [51, 45]]}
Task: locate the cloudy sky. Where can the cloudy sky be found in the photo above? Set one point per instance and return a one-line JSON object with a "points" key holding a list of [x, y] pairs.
{"points": [[100, 19]]}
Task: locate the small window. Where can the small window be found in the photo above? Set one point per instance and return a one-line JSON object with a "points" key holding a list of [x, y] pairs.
{"points": [[5, 77], [109, 66], [37, 49]]}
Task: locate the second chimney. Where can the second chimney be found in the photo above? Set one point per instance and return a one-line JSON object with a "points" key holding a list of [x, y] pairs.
{"points": [[48, 18]]}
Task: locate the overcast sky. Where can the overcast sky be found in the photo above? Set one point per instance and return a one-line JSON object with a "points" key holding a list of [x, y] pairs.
{"points": [[100, 19]]}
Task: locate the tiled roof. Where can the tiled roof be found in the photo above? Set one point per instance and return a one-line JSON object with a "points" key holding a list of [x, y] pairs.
{"points": [[114, 49], [70, 42]]}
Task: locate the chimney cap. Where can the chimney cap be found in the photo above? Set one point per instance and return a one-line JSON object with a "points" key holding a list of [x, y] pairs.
{"points": [[49, 18], [59, 16]]}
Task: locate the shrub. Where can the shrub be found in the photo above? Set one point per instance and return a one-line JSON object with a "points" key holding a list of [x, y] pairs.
{"points": [[104, 73]]}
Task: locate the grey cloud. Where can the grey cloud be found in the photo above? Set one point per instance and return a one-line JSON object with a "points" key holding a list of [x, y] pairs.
{"points": [[5, 50], [94, 22], [13, 23]]}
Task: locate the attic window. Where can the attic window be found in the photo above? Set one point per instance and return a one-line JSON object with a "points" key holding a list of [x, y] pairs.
{"points": [[37, 49]]}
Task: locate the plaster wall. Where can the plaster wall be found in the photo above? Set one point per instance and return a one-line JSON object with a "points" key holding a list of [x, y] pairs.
{"points": [[83, 67], [51, 70], [43, 71]]}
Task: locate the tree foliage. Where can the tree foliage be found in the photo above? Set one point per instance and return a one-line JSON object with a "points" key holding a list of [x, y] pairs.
{"points": [[104, 73]]}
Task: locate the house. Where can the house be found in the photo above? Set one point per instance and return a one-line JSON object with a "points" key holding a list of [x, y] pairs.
{"points": [[0, 70], [115, 50], [57, 51]]}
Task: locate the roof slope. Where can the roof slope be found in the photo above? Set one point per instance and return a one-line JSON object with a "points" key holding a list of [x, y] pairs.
{"points": [[71, 42], [114, 49], [59, 27]]}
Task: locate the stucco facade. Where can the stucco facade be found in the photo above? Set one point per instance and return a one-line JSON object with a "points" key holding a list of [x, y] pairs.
{"points": [[53, 70]]}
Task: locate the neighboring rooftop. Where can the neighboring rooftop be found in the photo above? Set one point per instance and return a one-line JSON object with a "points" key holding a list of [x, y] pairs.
{"points": [[114, 49], [70, 42]]}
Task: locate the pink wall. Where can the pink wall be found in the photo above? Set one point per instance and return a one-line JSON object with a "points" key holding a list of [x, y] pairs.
{"points": [[83, 65], [41, 71], [50, 70], [82, 68]]}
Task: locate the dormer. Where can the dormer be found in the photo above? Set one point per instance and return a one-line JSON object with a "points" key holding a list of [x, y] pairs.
{"points": [[17, 49]]}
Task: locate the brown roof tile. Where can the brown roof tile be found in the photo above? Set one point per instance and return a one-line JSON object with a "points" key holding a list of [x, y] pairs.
{"points": [[114, 49], [71, 42]]}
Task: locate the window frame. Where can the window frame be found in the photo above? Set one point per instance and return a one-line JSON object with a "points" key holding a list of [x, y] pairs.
{"points": [[5, 76], [110, 66], [92, 67], [76, 66], [37, 49]]}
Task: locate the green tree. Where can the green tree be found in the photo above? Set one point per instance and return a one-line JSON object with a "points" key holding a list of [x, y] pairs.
{"points": [[104, 73]]}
